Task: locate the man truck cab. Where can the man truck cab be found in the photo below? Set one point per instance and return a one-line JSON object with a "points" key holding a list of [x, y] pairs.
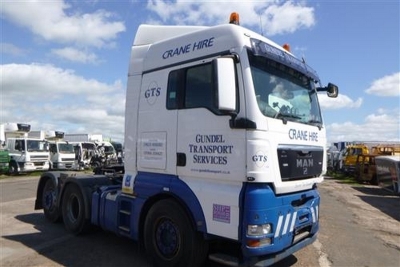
{"points": [[211, 158]]}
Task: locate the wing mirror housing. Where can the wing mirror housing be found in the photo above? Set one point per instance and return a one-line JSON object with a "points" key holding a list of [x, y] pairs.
{"points": [[225, 75], [331, 90]]}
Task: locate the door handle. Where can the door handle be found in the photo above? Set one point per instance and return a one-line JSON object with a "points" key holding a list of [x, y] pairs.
{"points": [[180, 159]]}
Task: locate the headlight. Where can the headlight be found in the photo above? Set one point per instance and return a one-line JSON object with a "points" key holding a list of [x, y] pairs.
{"points": [[258, 230]]}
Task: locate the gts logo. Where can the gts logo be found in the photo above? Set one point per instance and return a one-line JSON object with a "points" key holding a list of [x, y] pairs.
{"points": [[152, 93]]}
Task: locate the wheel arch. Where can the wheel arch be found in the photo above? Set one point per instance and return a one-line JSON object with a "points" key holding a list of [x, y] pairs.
{"points": [[149, 203], [151, 187], [42, 181]]}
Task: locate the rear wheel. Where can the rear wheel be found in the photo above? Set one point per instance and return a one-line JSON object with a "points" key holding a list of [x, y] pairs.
{"points": [[73, 210], [170, 239], [49, 201]]}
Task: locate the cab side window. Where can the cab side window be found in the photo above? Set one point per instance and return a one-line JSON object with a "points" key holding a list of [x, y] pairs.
{"points": [[53, 148], [192, 87], [20, 145]]}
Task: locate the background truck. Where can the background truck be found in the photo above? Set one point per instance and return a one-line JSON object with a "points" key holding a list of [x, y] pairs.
{"points": [[224, 148], [388, 172], [26, 154], [84, 152], [105, 156], [365, 169], [4, 155], [350, 156], [62, 153], [4, 161]]}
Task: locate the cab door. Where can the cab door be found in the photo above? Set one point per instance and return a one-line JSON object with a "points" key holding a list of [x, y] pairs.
{"points": [[210, 154]]}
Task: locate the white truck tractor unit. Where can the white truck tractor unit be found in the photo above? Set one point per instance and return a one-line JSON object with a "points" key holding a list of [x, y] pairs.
{"points": [[84, 152], [62, 153], [27, 154], [224, 148], [106, 159]]}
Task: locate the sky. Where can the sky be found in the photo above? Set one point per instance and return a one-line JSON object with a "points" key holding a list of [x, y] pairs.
{"points": [[64, 63]]}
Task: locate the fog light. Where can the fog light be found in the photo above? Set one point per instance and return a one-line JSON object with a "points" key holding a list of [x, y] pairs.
{"points": [[265, 241], [254, 243], [257, 230]]}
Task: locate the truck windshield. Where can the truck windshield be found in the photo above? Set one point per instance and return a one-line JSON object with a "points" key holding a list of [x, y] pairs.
{"points": [[37, 146], [65, 148], [283, 92]]}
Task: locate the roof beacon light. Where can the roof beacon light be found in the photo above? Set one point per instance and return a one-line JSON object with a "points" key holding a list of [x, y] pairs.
{"points": [[286, 47], [234, 18]]}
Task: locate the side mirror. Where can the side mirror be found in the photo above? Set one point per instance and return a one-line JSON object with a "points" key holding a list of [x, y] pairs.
{"points": [[225, 80], [331, 90]]}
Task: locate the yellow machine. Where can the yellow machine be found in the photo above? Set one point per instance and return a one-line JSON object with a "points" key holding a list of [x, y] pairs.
{"points": [[386, 149], [365, 169], [350, 156], [353, 151]]}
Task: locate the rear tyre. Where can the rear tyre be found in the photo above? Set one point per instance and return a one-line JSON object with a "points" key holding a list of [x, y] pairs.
{"points": [[49, 202], [170, 238], [73, 210]]}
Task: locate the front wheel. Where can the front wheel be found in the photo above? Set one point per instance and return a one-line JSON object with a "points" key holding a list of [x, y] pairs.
{"points": [[170, 238], [13, 168], [73, 210]]}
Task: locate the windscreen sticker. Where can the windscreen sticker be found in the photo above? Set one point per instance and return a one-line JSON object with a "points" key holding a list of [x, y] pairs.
{"points": [[221, 213]]}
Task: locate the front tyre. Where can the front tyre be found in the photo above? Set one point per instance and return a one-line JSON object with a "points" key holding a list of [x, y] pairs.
{"points": [[73, 210], [13, 168], [170, 238]]}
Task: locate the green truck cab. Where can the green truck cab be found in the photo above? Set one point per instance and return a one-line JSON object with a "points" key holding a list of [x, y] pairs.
{"points": [[4, 161]]}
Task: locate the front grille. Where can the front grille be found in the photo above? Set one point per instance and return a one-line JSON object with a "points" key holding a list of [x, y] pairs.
{"points": [[300, 162], [68, 159], [39, 157]]}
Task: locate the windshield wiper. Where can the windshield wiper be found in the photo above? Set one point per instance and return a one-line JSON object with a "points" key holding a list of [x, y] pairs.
{"points": [[284, 113], [317, 123], [287, 117]]}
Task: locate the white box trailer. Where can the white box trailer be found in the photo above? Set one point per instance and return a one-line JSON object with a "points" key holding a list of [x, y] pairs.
{"points": [[37, 134], [388, 172], [83, 137]]}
